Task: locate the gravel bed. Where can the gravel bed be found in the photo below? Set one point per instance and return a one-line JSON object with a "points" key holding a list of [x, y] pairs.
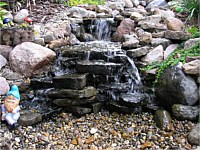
{"points": [[103, 130]]}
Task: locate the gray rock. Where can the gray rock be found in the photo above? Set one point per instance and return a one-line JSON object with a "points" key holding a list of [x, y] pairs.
{"points": [[174, 24], [156, 3], [155, 55], [3, 61], [87, 92], [164, 13], [192, 67], [115, 106], [98, 67], [29, 58], [19, 17], [170, 49], [78, 12], [39, 41], [163, 120], [128, 4], [176, 35], [191, 42], [74, 101], [130, 41], [4, 86], [10, 75], [184, 112], [135, 3], [152, 19], [127, 26], [28, 118], [174, 87], [138, 52], [160, 41], [194, 135], [48, 37], [96, 107], [78, 110], [153, 26], [70, 81], [5, 51]]}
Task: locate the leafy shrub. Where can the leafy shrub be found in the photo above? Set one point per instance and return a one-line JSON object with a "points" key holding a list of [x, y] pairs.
{"points": [[194, 31]]}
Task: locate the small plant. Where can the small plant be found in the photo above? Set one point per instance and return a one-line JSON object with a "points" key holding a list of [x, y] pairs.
{"points": [[194, 31], [177, 56], [192, 7], [89, 2]]}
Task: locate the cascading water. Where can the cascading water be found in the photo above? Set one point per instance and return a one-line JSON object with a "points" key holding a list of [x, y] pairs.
{"points": [[100, 28]]}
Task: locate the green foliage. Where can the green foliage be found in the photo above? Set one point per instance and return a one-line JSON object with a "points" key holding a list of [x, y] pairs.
{"points": [[89, 2], [192, 7], [2, 12], [177, 56], [194, 31]]}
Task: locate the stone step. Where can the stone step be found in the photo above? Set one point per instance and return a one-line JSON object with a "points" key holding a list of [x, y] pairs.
{"points": [[74, 102], [78, 110], [98, 67], [92, 51], [41, 83], [86, 92], [70, 81], [114, 106]]}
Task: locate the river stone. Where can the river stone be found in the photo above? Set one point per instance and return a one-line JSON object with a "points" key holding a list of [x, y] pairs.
{"points": [[174, 24], [96, 107], [174, 87], [132, 99], [155, 55], [184, 112], [28, 118], [10, 75], [130, 41], [19, 17], [164, 13], [4, 86], [138, 52], [3, 61], [176, 35], [126, 26], [194, 135], [192, 67], [74, 101], [156, 3], [5, 51], [160, 41], [151, 19], [163, 120], [70, 81], [128, 4], [117, 107], [145, 38], [87, 92], [78, 110], [170, 49], [153, 26], [191, 42], [29, 58], [98, 67]]}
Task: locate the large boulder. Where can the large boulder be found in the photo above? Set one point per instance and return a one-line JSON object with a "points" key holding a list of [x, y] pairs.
{"points": [[29, 58], [126, 27], [174, 87], [194, 135]]}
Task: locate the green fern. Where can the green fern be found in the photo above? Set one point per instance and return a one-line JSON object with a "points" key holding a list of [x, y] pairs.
{"points": [[177, 56]]}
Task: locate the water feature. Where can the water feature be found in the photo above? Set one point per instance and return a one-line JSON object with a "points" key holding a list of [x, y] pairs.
{"points": [[100, 65]]}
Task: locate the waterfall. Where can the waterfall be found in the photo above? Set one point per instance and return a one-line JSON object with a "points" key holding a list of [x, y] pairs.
{"points": [[100, 28]]}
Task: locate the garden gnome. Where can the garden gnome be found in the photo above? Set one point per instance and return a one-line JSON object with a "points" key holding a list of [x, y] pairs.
{"points": [[10, 108]]}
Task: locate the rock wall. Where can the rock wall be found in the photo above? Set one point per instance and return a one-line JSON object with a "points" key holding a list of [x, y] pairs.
{"points": [[14, 36]]}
